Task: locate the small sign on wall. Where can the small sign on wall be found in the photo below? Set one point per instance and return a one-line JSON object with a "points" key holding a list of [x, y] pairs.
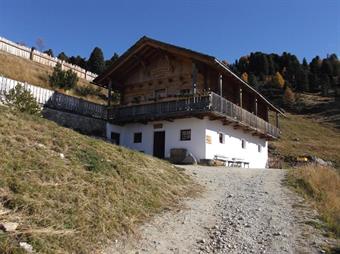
{"points": [[158, 126], [208, 139]]}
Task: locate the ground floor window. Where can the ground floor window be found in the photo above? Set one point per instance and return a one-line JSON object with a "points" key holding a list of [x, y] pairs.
{"points": [[259, 148], [185, 135], [244, 144], [221, 137], [137, 137], [115, 138]]}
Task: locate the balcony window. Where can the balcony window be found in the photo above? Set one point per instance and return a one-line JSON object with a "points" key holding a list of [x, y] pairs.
{"points": [[160, 93], [185, 135], [137, 137]]}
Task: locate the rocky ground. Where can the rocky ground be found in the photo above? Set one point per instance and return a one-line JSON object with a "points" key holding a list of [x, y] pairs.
{"points": [[241, 211]]}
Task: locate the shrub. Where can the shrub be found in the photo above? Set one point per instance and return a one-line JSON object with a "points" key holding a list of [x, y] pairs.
{"points": [[63, 79], [88, 90], [21, 99]]}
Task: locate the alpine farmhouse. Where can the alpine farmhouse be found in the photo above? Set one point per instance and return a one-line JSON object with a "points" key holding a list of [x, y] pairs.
{"points": [[172, 97]]}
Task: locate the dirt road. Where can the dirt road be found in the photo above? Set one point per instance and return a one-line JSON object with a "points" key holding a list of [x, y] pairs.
{"points": [[241, 211]]}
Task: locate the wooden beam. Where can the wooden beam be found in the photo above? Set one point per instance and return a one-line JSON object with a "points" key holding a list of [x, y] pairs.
{"points": [[221, 84], [241, 103], [194, 78], [277, 120], [109, 93], [256, 109]]}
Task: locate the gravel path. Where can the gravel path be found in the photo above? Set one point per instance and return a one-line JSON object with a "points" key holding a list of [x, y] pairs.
{"points": [[241, 211]]}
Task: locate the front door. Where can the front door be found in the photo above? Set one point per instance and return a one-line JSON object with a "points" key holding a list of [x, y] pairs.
{"points": [[159, 144], [115, 138]]}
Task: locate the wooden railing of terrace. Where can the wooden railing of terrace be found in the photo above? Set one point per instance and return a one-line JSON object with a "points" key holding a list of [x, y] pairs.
{"points": [[199, 105]]}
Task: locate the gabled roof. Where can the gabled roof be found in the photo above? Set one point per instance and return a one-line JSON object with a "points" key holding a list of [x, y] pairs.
{"points": [[144, 42]]}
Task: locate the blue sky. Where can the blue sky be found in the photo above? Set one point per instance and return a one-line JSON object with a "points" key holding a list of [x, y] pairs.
{"points": [[224, 28]]}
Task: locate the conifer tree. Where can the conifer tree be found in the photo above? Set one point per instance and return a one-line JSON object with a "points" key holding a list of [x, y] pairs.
{"points": [[96, 63]]}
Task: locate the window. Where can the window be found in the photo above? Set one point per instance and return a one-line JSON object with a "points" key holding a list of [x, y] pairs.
{"points": [[244, 144], [137, 137], [160, 93], [259, 148], [115, 138], [185, 135], [221, 137]]}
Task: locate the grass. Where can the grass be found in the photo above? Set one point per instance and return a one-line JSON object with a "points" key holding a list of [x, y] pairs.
{"points": [[75, 204], [34, 73], [320, 185], [305, 136]]}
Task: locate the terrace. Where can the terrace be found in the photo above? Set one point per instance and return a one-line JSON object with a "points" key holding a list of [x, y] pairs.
{"points": [[209, 104]]}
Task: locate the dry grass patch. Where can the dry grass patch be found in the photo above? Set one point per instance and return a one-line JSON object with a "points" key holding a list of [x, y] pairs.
{"points": [[321, 185], [75, 204], [305, 136], [34, 73]]}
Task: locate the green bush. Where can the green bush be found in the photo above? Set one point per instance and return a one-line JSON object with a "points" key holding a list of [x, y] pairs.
{"points": [[19, 98], [88, 90], [63, 79]]}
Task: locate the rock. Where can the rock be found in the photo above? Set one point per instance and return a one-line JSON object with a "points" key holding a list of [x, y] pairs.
{"points": [[27, 247], [247, 225], [8, 226], [201, 241], [230, 196], [62, 156], [296, 139], [277, 233]]}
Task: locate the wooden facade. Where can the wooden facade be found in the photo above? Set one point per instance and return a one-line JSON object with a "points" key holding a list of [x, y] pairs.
{"points": [[155, 72]]}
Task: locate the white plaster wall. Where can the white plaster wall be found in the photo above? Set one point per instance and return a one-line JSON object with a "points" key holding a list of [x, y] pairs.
{"points": [[232, 146], [172, 136]]}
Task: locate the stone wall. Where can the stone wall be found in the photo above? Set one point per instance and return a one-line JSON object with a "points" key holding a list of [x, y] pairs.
{"points": [[85, 125]]}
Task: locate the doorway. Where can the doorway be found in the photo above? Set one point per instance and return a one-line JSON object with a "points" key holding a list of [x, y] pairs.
{"points": [[159, 144]]}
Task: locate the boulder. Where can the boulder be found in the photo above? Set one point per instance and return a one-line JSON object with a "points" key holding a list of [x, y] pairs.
{"points": [[8, 226]]}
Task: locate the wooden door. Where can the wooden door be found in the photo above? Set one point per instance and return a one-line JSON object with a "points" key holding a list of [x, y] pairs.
{"points": [[159, 144]]}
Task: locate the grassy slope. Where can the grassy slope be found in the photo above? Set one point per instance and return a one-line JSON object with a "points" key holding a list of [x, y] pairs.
{"points": [[321, 185], [34, 73], [314, 138], [97, 192]]}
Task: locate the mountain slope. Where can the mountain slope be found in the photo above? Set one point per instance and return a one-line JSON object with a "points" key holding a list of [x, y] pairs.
{"points": [[303, 135], [37, 74], [72, 193]]}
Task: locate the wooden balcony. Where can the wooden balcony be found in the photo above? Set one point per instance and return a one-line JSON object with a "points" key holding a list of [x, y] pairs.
{"points": [[211, 104]]}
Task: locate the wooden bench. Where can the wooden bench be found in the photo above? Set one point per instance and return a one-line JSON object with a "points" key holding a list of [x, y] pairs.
{"points": [[234, 162]]}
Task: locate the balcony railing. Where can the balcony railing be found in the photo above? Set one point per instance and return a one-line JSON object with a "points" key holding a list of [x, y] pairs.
{"points": [[210, 103]]}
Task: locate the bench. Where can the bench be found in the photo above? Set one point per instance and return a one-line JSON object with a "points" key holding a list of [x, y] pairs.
{"points": [[234, 162]]}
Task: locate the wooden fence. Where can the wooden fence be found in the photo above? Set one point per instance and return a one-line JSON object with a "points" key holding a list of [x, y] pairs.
{"points": [[42, 58], [52, 99]]}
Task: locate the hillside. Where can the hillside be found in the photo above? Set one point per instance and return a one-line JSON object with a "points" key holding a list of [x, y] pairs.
{"points": [[71, 193], [304, 135], [34, 73]]}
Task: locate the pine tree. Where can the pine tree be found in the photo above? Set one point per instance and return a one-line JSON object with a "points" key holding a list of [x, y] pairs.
{"points": [[96, 63], [62, 56], [49, 52]]}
